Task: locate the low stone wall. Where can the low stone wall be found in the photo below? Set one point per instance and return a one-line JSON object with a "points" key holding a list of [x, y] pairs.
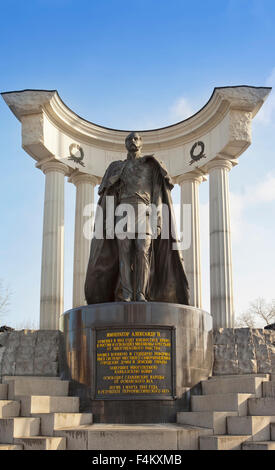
{"points": [[28, 352], [243, 351], [41, 352]]}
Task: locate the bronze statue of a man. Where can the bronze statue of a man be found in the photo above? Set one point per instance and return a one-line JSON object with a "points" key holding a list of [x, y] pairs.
{"points": [[138, 264]]}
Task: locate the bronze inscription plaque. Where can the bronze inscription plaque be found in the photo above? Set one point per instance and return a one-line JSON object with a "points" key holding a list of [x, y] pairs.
{"points": [[134, 363]]}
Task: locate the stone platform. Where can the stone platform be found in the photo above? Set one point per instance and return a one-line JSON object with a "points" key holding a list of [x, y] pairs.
{"points": [[137, 362], [232, 413]]}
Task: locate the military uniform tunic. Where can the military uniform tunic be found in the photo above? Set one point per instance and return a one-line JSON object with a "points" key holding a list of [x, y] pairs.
{"points": [[135, 189]]}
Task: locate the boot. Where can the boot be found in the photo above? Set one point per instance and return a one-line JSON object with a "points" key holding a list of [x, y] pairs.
{"points": [[140, 297]]}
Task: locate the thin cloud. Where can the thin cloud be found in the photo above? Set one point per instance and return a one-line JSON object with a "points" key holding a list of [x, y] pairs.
{"points": [[261, 193], [264, 191], [181, 109], [178, 111], [266, 115]]}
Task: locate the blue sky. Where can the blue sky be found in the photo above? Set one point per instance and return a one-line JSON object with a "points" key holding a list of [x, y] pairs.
{"points": [[136, 65]]}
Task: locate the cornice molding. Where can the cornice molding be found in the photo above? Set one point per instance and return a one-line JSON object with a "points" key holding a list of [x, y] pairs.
{"points": [[241, 98]]}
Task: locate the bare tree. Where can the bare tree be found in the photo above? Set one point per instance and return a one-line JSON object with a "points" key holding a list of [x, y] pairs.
{"points": [[263, 310], [245, 320], [5, 295], [259, 312]]}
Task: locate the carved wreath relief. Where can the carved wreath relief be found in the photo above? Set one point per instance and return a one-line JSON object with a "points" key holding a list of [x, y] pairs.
{"points": [[76, 154], [195, 157]]}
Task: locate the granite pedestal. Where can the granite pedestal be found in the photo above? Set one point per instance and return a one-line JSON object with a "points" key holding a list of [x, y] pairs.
{"points": [[137, 362]]}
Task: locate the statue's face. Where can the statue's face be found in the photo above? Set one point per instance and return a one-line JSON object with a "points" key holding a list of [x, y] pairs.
{"points": [[133, 142]]}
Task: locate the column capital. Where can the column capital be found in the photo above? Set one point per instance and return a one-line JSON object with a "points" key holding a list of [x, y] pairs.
{"points": [[221, 162], [77, 178], [194, 176], [53, 165]]}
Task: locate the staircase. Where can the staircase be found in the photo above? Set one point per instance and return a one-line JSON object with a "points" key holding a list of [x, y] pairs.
{"points": [[233, 412], [31, 408], [240, 410]]}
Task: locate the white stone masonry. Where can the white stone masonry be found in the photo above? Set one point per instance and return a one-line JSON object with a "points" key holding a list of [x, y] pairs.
{"points": [[189, 184], [221, 284], [52, 269], [85, 185]]}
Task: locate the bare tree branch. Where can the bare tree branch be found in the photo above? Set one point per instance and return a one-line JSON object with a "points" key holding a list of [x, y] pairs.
{"points": [[5, 295], [245, 320], [259, 310]]}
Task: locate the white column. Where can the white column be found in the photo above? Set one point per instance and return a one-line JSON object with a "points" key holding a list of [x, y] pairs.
{"points": [[85, 185], [52, 269], [189, 184], [221, 285]]}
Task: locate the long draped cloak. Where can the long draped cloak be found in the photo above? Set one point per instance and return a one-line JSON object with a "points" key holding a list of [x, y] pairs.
{"points": [[168, 281]]}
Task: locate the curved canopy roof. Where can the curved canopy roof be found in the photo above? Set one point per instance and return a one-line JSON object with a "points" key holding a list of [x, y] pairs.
{"points": [[49, 126]]}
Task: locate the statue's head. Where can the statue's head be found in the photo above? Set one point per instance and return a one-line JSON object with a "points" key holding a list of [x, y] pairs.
{"points": [[133, 142]]}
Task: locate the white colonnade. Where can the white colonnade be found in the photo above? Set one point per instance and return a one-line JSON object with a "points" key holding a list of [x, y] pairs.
{"points": [[85, 185], [211, 140], [221, 277], [189, 185], [221, 284], [52, 266], [52, 271]]}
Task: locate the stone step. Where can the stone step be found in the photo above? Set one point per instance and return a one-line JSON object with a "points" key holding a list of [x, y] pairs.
{"points": [[257, 426], [215, 420], [267, 445], [222, 442], [9, 408], [11, 447], [37, 404], [229, 402], [261, 406], [236, 376], [3, 391], [133, 437], [8, 378], [272, 431], [28, 386], [41, 443], [53, 421], [18, 427], [269, 389], [240, 384]]}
